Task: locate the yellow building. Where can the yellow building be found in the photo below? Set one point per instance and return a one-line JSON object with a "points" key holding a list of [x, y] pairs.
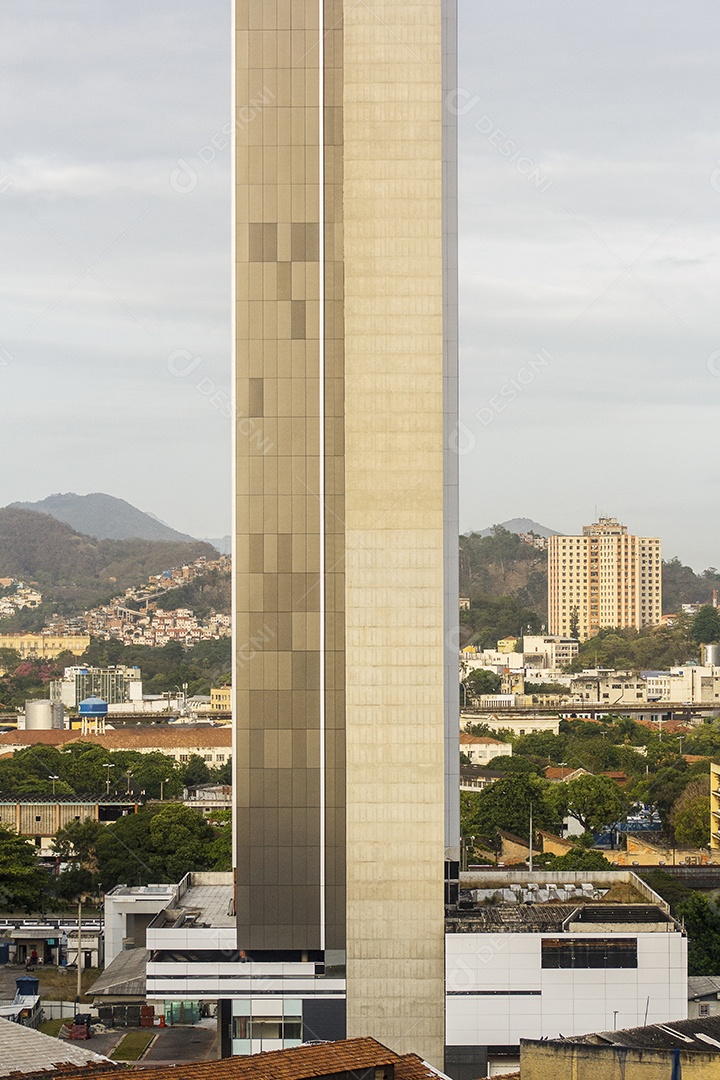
{"points": [[604, 578], [507, 644], [607, 1058], [221, 698], [714, 806], [45, 646]]}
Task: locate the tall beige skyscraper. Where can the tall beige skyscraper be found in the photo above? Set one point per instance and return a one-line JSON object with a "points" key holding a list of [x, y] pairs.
{"points": [[604, 578], [346, 518]]}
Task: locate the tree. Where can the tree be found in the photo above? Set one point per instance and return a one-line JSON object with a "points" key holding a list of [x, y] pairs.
{"points": [[9, 659], [76, 843], [706, 625], [221, 853], [153, 773], [124, 855], [160, 843], [182, 838], [73, 883], [575, 860], [512, 765], [575, 622], [22, 881], [196, 772], [482, 681], [692, 823], [223, 774], [595, 801], [700, 914], [506, 804], [666, 786], [690, 815]]}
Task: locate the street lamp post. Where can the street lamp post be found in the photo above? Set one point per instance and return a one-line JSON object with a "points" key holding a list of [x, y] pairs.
{"points": [[129, 777], [54, 780], [107, 766], [162, 787]]}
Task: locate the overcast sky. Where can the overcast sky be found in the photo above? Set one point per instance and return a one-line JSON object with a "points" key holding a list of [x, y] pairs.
{"points": [[590, 192]]}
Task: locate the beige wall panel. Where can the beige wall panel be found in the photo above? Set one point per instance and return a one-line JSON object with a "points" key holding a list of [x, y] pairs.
{"points": [[394, 507]]}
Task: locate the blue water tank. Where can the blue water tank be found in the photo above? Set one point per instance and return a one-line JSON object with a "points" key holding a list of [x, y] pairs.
{"points": [[93, 707]]}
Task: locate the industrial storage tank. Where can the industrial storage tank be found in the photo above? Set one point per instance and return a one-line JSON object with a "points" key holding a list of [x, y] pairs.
{"points": [[93, 708], [42, 715], [38, 715], [711, 655]]}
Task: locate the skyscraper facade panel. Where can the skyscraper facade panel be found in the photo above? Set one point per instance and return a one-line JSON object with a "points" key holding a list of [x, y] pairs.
{"points": [[346, 518]]}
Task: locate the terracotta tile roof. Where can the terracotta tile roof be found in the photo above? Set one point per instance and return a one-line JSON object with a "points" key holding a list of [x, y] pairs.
{"points": [[620, 778], [300, 1063], [556, 772], [466, 737], [411, 1067], [50, 737], [149, 735], [161, 737]]}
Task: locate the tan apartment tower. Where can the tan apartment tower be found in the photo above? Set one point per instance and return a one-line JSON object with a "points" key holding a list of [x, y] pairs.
{"points": [[346, 729], [604, 578]]}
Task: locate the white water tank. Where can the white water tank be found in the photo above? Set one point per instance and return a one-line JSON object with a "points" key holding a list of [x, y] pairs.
{"points": [[711, 655], [38, 715], [43, 715]]}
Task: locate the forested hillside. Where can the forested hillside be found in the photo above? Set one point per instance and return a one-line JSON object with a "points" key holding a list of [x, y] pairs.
{"points": [[74, 571]]}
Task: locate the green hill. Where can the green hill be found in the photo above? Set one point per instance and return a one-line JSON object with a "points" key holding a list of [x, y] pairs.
{"points": [[503, 565], [104, 516], [74, 571], [506, 581]]}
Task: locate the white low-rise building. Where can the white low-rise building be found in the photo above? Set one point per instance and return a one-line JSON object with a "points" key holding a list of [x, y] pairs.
{"points": [[517, 725], [556, 651], [609, 688], [479, 749], [488, 660], [531, 956], [690, 683]]}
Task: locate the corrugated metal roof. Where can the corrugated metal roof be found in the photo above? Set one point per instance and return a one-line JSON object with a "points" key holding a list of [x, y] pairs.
{"points": [[124, 976], [702, 985], [701, 1035], [25, 1051]]}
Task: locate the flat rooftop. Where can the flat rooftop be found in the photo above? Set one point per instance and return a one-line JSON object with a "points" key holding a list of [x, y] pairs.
{"points": [[213, 902], [529, 918], [516, 901], [159, 891]]}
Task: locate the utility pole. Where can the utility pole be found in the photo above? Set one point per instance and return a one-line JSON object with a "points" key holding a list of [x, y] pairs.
{"points": [[531, 840], [79, 954]]}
